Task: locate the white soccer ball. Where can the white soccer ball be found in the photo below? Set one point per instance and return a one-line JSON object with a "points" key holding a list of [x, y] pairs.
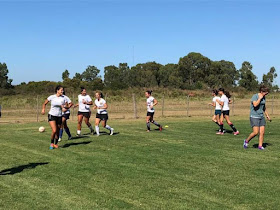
{"points": [[41, 129]]}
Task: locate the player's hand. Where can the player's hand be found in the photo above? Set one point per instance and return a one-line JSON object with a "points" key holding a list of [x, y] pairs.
{"points": [[64, 110], [43, 112], [260, 96], [84, 101], [268, 118]]}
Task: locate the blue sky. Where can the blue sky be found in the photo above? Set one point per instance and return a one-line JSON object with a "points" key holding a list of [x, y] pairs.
{"points": [[40, 39]]}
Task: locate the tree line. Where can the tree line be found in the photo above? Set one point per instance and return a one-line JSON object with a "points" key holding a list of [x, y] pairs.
{"points": [[193, 71]]}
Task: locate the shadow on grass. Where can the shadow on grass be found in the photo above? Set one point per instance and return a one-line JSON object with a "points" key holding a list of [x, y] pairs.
{"points": [[105, 133], [75, 144], [18, 169], [264, 145], [79, 137]]}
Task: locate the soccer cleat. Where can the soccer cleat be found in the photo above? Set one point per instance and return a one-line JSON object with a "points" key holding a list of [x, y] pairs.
{"points": [[148, 130], [112, 131], [236, 133], [160, 128], [245, 144], [70, 137], [51, 146], [55, 146], [59, 139], [220, 133], [261, 148]]}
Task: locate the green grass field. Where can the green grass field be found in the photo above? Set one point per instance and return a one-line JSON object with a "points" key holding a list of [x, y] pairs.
{"points": [[186, 166]]}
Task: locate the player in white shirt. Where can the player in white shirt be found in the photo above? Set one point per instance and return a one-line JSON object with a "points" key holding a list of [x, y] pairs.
{"points": [[102, 115], [58, 105], [151, 102], [84, 102], [224, 102], [65, 117], [218, 107]]}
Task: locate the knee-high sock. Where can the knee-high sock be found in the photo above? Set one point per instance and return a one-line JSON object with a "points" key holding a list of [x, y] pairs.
{"points": [[60, 133], [97, 130], [90, 128], [232, 127], [67, 131], [155, 123], [55, 141], [148, 126], [221, 127], [108, 127]]}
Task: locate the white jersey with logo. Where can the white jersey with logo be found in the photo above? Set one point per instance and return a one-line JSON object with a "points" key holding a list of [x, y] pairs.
{"points": [[84, 107], [218, 106], [56, 103], [68, 101], [150, 101], [100, 103], [224, 99]]}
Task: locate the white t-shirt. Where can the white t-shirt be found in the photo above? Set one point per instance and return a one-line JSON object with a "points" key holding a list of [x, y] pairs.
{"points": [[56, 103], [218, 106], [68, 101], [100, 103], [84, 107], [224, 99], [150, 101]]}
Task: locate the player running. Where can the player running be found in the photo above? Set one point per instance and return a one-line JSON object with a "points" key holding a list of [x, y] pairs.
{"points": [[218, 107], [257, 120], [58, 105], [84, 102], [65, 117], [151, 102], [224, 102], [102, 114]]}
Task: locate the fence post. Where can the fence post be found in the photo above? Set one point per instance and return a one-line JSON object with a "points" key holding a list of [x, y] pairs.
{"points": [[134, 106], [0, 110], [210, 108], [188, 105], [233, 106], [37, 115], [162, 110], [272, 107]]}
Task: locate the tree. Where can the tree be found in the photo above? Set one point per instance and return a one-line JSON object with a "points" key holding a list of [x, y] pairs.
{"points": [[248, 79], [116, 77], [90, 73], [65, 75], [269, 78], [5, 82]]}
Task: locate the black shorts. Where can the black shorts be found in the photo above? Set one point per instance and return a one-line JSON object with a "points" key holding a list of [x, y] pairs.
{"points": [[218, 112], [151, 114], [85, 114], [226, 112], [102, 116], [66, 116], [58, 120]]}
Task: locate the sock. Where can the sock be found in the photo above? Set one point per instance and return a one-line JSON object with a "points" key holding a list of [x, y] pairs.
{"points": [[60, 133], [97, 130], [217, 123], [246, 141], [52, 141], [232, 127], [148, 126], [79, 132], [55, 141], [221, 127], [67, 131], [91, 129], [155, 123], [108, 127]]}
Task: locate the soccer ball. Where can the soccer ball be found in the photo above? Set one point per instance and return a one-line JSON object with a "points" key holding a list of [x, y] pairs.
{"points": [[41, 129]]}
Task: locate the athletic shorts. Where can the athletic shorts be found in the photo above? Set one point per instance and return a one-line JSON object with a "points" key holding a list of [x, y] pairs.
{"points": [[58, 120], [218, 112], [66, 116], [226, 112], [151, 114], [85, 114], [102, 116], [257, 122]]}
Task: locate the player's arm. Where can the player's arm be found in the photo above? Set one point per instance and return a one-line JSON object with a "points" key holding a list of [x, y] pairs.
{"points": [[257, 102], [154, 104], [87, 103], [266, 114], [212, 104], [220, 102], [44, 106], [229, 101]]}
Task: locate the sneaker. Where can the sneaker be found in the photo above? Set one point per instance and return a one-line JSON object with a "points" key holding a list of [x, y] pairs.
{"points": [[79, 135], [148, 130], [59, 139], [160, 128], [236, 133], [51, 146], [70, 137], [55, 146], [245, 144], [220, 133], [112, 131], [261, 148]]}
